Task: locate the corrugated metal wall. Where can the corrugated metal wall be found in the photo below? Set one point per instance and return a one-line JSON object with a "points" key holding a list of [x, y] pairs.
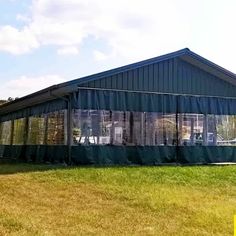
{"points": [[170, 76]]}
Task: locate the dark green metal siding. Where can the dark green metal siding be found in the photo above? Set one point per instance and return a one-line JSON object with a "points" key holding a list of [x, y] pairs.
{"points": [[170, 76], [196, 81]]}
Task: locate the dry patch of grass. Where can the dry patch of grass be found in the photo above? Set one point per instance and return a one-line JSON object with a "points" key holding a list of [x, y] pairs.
{"points": [[38, 200]]}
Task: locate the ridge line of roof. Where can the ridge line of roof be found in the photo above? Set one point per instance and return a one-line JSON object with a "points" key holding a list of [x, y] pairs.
{"points": [[127, 67], [211, 64]]}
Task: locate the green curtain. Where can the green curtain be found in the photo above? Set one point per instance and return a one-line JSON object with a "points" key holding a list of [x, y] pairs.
{"points": [[50, 106], [150, 102]]}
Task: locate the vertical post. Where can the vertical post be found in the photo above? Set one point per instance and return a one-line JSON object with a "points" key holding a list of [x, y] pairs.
{"points": [[25, 138], [177, 142], [99, 125], [112, 134], [12, 132], [65, 128], [205, 128], [143, 136], [214, 132], [177, 128], [153, 130], [192, 131], [45, 138], [131, 127], [26, 130], [157, 123], [69, 130], [180, 129]]}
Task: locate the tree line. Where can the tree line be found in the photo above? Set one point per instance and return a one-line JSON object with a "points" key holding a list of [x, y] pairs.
{"points": [[10, 99]]}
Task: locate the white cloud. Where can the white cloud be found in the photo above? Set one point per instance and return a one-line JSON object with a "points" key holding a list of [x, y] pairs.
{"points": [[26, 84], [15, 41], [68, 51], [22, 18], [130, 28], [99, 56], [133, 29]]}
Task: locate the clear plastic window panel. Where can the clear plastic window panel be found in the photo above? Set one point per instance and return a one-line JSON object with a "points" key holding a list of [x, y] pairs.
{"points": [[165, 127], [36, 130], [105, 127], [91, 127], [191, 130], [121, 132], [209, 130], [225, 130], [137, 128], [82, 127], [211, 127], [149, 130], [76, 130], [5, 132], [56, 128], [19, 131]]}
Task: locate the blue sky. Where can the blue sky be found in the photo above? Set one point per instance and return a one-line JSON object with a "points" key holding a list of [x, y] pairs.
{"points": [[45, 42]]}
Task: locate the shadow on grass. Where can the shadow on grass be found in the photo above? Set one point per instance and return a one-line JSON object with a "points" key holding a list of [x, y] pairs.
{"points": [[14, 168], [8, 168]]}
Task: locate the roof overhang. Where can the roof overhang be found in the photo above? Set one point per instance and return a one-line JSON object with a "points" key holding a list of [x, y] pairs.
{"points": [[209, 67]]}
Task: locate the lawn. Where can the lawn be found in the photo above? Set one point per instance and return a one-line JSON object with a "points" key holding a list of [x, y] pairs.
{"points": [[53, 200]]}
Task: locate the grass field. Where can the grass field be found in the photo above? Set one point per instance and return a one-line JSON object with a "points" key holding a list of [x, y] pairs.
{"points": [[46, 200]]}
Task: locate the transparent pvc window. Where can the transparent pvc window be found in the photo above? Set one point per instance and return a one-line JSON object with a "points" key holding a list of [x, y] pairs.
{"points": [[100, 127], [191, 130], [225, 130], [121, 134], [165, 129], [92, 127], [56, 129], [207, 130], [5, 132], [19, 131], [103, 127], [82, 127], [36, 130]]}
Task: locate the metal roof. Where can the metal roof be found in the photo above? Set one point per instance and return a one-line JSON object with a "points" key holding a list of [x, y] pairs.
{"points": [[62, 89]]}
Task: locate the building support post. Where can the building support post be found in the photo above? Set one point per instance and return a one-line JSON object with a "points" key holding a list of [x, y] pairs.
{"points": [[205, 130], [45, 138], [179, 121], [69, 130], [215, 131], [26, 131], [192, 130], [142, 133], [25, 137], [12, 132]]}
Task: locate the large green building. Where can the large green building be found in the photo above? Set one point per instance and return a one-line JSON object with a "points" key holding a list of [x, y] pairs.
{"points": [[176, 108]]}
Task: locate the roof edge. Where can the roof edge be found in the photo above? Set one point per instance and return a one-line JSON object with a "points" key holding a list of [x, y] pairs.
{"points": [[211, 64]]}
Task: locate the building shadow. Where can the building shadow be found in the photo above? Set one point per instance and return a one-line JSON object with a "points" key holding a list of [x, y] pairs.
{"points": [[7, 168]]}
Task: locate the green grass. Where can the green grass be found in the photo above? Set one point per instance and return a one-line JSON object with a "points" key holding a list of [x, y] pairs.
{"points": [[47, 200]]}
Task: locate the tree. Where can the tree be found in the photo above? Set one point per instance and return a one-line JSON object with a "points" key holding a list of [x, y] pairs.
{"points": [[2, 102]]}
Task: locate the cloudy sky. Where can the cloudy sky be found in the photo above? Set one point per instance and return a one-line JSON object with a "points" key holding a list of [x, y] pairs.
{"points": [[45, 42]]}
